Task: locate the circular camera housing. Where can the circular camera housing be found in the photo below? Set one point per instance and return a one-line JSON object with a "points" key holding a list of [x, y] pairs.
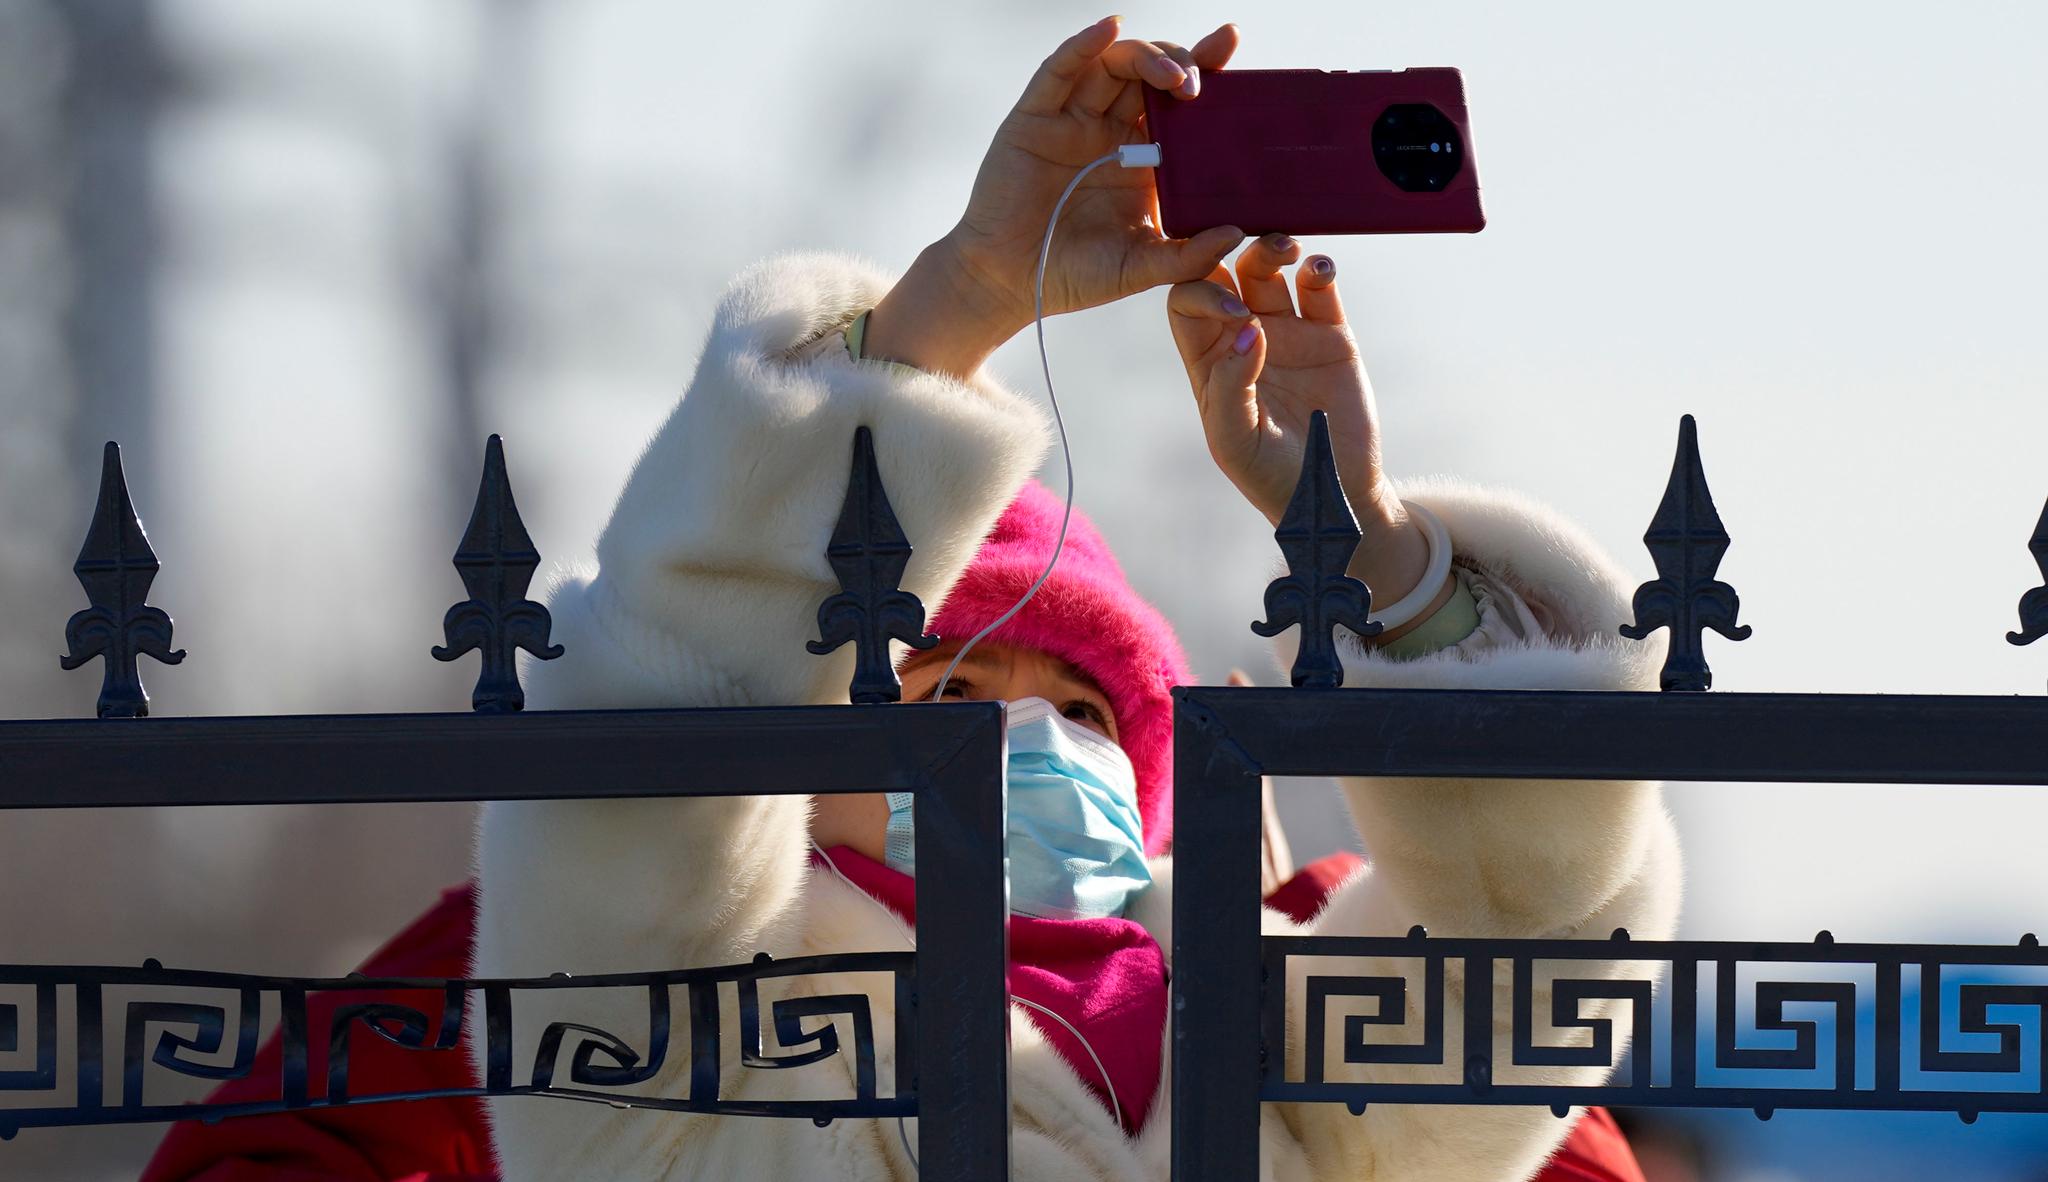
{"points": [[1417, 147]]}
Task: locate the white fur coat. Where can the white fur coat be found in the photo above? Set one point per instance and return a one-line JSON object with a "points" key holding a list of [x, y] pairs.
{"points": [[708, 578]]}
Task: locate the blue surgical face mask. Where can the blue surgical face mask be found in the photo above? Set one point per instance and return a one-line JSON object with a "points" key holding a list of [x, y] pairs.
{"points": [[1077, 844]]}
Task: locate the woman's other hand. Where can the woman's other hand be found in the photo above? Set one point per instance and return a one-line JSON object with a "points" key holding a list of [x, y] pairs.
{"points": [[972, 290], [1261, 359]]}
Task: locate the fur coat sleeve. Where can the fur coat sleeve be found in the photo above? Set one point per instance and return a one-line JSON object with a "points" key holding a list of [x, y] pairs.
{"points": [[1536, 858], [707, 584]]}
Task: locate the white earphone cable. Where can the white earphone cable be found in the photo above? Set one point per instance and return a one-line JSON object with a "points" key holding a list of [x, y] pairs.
{"points": [[1129, 156], [1129, 160], [1116, 1109]]}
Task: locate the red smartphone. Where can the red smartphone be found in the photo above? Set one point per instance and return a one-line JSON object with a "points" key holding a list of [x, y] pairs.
{"points": [[1317, 152]]}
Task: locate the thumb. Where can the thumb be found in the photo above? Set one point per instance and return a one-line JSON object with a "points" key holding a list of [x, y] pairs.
{"points": [[1178, 260]]}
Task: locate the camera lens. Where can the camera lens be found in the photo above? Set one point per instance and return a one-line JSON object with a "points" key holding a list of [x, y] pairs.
{"points": [[1416, 147]]}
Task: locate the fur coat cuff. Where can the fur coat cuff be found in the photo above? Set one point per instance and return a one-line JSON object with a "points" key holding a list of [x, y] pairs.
{"points": [[1552, 604]]}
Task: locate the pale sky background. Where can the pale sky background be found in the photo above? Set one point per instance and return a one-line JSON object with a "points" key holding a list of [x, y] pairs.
{"points": [[1816, 227]]}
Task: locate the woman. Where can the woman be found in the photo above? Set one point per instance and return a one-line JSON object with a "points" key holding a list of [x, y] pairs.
{"points": [[709, 576]]}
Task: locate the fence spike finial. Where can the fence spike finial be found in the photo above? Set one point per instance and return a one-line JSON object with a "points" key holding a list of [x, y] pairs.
{"points": [[869, 554], [1318, 534], [496, 560], [2034, 604], [1687, 541], [116, 567]]}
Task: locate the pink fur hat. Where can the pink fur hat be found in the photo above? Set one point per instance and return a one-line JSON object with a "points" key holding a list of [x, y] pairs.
{"points": [[1086, 615]]}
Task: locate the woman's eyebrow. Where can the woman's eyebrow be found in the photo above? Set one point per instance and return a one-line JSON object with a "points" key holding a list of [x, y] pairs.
{"points": [[973, 660], [976, 659], [1081, 685]]}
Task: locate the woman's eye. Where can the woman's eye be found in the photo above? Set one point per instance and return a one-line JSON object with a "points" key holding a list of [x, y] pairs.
{"points": [[954, 689], [1088, 712]]}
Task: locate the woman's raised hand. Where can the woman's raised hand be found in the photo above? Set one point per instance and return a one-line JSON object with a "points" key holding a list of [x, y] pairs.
{"points": [[972, 290], [1087, 100], [1262, 358]]}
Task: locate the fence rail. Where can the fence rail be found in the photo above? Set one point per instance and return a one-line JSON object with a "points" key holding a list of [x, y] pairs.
{"points": [[386, 758]]}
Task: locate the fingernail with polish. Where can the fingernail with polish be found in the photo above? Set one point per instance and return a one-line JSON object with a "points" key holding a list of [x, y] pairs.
{"points": [[1282, 243], [1245, 337], [1180, 76], [1235, 307], [1322, 265], [1193, 86]]}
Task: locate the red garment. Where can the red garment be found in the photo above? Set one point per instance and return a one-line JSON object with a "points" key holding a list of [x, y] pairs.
{"points": [[409, 1141], [1300, 897], [447, 1141]]}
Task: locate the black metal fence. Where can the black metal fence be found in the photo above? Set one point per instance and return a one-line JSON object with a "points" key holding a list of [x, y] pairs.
{"points": [[1231, 984], [950, 1039]]}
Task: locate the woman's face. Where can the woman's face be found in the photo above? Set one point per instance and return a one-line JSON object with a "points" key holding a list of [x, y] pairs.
{"points": [[991, 673]]}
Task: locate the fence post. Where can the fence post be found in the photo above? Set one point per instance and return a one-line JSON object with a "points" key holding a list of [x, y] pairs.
{"points": [[963, 950], [1216, 1012]]}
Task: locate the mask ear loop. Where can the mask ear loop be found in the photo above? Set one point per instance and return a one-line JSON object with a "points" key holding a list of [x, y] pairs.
{"points": [[902, 1131], [1059, 421]]}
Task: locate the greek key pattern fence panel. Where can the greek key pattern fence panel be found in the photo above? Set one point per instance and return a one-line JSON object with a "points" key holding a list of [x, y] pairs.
{"points": [[1951, 1028], [131, 1029]]}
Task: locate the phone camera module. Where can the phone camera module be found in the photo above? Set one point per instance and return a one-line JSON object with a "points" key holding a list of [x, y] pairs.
{"points": [[1417, 147]]}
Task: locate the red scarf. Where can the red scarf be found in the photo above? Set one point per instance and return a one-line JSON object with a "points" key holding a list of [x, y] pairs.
{"points": [[1106, 976]]}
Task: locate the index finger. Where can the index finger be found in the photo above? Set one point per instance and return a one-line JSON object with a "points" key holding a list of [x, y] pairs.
{"points": [[1143, 61], [1048, 89], [1213, 52]]}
